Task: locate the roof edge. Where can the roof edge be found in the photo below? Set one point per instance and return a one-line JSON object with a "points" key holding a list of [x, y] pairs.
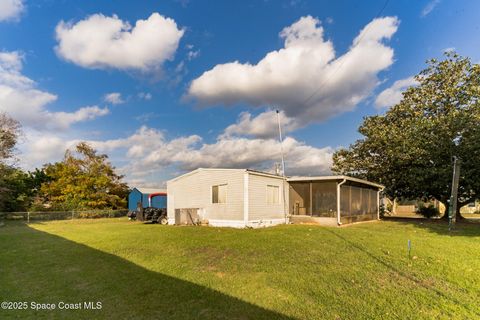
{"points": [[339, 177]]}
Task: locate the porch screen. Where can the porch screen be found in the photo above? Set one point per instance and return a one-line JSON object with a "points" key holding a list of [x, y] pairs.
{"points": [[357, 204]]}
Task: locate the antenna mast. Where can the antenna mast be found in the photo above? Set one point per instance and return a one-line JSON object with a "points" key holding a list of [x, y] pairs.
{"points": [[281, 142]]}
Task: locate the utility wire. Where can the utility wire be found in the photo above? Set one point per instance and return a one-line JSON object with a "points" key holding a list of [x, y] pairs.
{"points": [[343, 60]]}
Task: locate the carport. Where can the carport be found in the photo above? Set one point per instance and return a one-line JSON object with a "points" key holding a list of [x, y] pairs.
{"points": [[333, 200]]}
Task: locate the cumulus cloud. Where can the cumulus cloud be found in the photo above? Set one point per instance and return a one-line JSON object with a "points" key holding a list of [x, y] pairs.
{"points": [[108, 42], [114, 98], [149, 150], [305, 78], [394, 94], [20, 98], [264, 125], [10, 9]]}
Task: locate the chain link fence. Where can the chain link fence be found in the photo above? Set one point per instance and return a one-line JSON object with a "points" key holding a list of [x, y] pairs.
{"points": [[31, 216]]}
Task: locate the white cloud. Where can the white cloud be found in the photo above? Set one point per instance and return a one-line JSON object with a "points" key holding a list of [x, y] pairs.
{"points": [[20, 98], [41, 147], [394, 94], [148, 151], [10, 9], [307, 64], [429, 7], [192, 54], [264, 125], [114, 98], [108, 42], [144, 95]]}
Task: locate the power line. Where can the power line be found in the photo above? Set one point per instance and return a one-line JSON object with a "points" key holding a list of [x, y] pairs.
{"points": [[343, 61]]}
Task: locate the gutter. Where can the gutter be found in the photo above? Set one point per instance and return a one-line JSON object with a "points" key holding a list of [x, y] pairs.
{"points": [[338, 200]]}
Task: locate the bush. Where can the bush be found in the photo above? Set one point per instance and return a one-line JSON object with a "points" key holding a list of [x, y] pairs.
{"points": [[429, 212]]}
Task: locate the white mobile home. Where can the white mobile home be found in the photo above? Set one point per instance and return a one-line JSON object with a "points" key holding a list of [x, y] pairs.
{"points": [[227, 197]]}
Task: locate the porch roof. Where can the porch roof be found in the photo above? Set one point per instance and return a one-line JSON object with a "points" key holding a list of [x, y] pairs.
{"points": [[339, 177]]}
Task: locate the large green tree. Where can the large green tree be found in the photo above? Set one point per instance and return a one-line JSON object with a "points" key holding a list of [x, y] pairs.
{"points": [[410, 148], [83, 180]]}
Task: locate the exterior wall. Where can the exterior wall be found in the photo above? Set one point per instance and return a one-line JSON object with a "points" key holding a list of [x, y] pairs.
{"points": [[259, 212], [133, 198], [159, 201], [194, 190]]}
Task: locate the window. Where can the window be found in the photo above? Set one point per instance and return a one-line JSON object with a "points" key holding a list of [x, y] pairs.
{"points": [[273, 193], [219, 193]]}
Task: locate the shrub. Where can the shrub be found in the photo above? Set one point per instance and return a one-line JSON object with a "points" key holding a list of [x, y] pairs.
{"points": [[429, 212]]}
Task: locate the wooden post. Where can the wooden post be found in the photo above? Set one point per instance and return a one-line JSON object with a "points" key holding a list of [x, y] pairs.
{"points": [[28, 216], [311, 199]]}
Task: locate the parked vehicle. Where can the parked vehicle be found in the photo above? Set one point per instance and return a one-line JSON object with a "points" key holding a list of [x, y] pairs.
{"points": [[148, 205], [150, 214]]}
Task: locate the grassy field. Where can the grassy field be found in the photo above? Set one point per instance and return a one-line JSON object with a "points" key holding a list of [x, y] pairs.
{"points": [[142, 271]]}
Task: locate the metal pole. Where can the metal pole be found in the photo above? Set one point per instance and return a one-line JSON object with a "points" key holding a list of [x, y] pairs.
{"points": [[452, 214], [285, 209], [281, 142]]}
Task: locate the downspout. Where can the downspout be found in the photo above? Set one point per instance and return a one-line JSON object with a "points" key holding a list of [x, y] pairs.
{"points": [[338, 200], [378, 202]]}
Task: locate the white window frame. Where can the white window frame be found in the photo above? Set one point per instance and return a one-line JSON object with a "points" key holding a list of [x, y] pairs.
{"points": [[226, 193], [267, 194]]}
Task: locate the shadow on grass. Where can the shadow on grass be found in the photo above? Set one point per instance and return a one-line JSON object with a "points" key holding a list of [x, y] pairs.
{"points": [[464, 227], [41, 267]]}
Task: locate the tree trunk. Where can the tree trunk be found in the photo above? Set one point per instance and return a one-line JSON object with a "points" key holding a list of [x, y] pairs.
{"points": [[447, 207]]}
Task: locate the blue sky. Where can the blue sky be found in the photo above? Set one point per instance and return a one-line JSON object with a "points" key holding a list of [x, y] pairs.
{"points": [[196, 86]]}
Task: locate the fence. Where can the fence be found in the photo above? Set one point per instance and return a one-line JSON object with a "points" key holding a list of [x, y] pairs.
{"points": [[31, 216]]}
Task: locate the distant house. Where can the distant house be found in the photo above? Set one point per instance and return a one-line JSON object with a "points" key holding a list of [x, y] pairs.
{"points": [[149, 197], [249, 198]]}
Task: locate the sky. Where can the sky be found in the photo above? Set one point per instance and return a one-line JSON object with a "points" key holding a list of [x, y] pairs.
{"points": [[164, 87]]}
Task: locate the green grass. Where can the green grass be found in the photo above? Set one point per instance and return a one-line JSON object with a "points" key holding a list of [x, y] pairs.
{"points": [[142, 271]]}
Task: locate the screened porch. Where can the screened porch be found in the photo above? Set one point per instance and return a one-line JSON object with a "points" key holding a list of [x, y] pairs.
{"points": [[325, 198]]}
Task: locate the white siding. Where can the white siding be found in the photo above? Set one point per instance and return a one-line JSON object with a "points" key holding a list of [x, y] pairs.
{"points": [[258, 207], [194, 190]]}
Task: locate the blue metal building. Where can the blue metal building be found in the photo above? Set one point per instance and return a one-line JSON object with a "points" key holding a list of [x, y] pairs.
{"points": [[156, 198]]}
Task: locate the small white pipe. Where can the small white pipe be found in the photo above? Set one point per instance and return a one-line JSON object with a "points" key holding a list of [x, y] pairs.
{"points": [[378, 203], [338, 200]]}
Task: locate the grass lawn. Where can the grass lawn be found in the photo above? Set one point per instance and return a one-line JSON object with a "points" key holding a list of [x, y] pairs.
{"points": [[142, 271]]}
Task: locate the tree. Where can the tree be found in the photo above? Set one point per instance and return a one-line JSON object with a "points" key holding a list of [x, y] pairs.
{"points": [[83, 180], [15, 190], [410, 148], [9, 132]]}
